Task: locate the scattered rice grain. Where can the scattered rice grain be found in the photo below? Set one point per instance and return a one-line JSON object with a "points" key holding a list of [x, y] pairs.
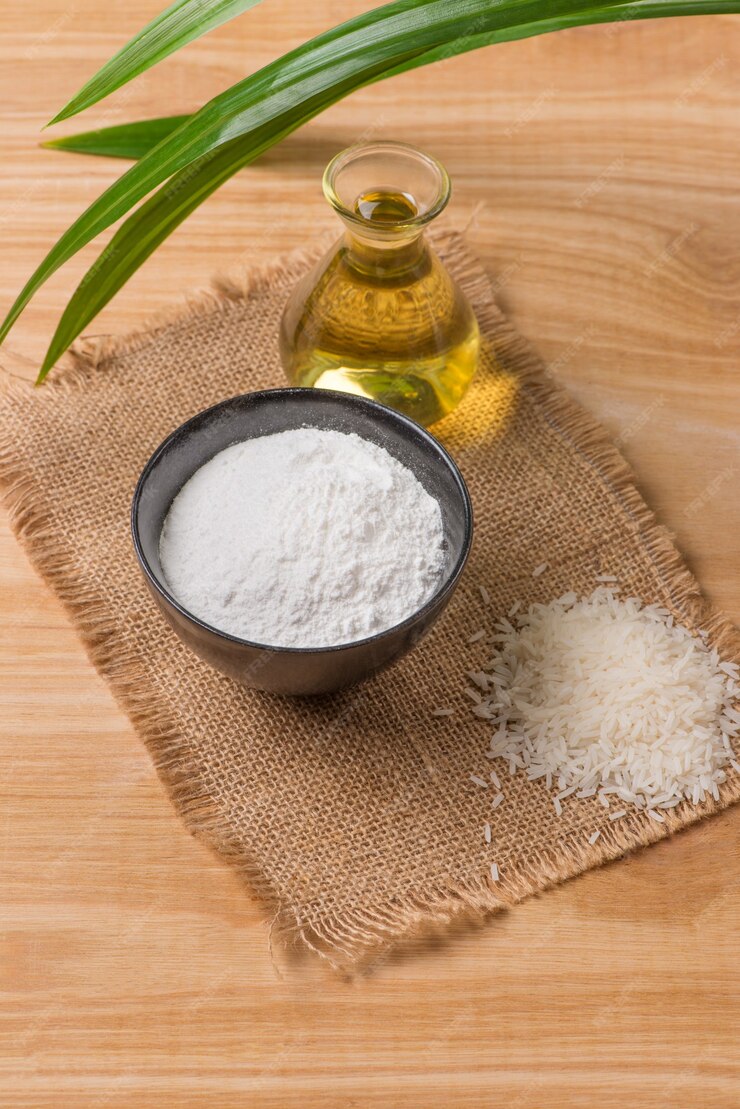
{"points": [[604, 695]]}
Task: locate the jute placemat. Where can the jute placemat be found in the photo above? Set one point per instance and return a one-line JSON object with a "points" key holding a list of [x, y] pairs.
{"points": [[352, 815]]}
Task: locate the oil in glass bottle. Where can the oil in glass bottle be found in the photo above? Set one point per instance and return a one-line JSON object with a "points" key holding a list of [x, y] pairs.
{"points": [[380, 316]]}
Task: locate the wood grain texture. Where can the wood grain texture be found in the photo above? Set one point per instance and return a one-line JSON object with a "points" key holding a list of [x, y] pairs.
{"points": [[599, 170]]}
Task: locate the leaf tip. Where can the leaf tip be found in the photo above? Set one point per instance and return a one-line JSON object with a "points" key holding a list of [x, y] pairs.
{"points": [[68, 110], [45, 367]]}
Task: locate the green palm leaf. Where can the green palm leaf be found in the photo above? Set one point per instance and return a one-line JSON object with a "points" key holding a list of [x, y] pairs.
{"points": [[234, 128], [178, 25], [155, 220], [141, 234], [125, 140], [350, 55]]}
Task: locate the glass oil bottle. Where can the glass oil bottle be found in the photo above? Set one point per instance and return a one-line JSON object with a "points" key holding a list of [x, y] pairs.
{"points": [[380, 316]]}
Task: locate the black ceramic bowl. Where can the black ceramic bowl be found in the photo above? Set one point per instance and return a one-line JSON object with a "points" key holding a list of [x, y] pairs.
{"points": [[297, 670]]}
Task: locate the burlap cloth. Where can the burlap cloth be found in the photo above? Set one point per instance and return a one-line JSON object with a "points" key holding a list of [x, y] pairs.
{"points": [[352, 815]]}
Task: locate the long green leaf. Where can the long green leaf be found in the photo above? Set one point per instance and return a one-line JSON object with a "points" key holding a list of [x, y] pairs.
{"points": [[178, 25], [125, 140], [140, 235], [350, 56]]}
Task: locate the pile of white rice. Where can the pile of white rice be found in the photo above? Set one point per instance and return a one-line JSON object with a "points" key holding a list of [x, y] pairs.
{"points": [[605, 696]]}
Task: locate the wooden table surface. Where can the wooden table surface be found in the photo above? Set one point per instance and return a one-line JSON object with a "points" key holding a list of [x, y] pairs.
{"points": [[599, 171]]}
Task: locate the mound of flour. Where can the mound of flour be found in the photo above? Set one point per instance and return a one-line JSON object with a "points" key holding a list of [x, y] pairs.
{"points": [[306, 538]]}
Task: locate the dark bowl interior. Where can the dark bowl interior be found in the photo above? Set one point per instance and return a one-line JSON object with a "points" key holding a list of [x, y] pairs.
{"points": [[298, 670]]}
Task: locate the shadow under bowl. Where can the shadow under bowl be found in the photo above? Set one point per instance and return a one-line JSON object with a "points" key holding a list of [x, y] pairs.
{"points": [[298, 671]]}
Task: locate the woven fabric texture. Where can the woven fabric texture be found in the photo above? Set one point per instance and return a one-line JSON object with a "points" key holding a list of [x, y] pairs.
{"points": [[352, 815]]}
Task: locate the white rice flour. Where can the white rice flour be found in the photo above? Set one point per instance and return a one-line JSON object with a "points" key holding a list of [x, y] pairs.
{"points": [[306, 538]]}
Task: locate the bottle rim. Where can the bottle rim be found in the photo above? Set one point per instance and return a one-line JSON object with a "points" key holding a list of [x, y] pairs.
{"points": [[389, 148]]}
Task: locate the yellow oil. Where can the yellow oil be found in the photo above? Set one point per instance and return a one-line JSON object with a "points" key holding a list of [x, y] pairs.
{"points": [[385, 206], [381, 317]]}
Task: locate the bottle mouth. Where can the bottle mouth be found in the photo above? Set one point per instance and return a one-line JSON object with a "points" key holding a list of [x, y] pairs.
{"points": [[416, 187]]}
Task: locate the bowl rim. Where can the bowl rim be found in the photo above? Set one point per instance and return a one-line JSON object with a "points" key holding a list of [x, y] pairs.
{"points": [[335, 396]]}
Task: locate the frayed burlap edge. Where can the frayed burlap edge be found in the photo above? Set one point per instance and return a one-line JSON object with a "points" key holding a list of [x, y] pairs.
{"points": [[349, 941]]}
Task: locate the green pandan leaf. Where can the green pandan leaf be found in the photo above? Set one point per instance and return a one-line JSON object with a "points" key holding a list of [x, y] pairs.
{"points": [[178, 25], [126, 140], [257, 112]]}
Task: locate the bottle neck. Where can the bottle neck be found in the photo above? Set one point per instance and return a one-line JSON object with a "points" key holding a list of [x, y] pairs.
{"points": [[384, 256]]}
